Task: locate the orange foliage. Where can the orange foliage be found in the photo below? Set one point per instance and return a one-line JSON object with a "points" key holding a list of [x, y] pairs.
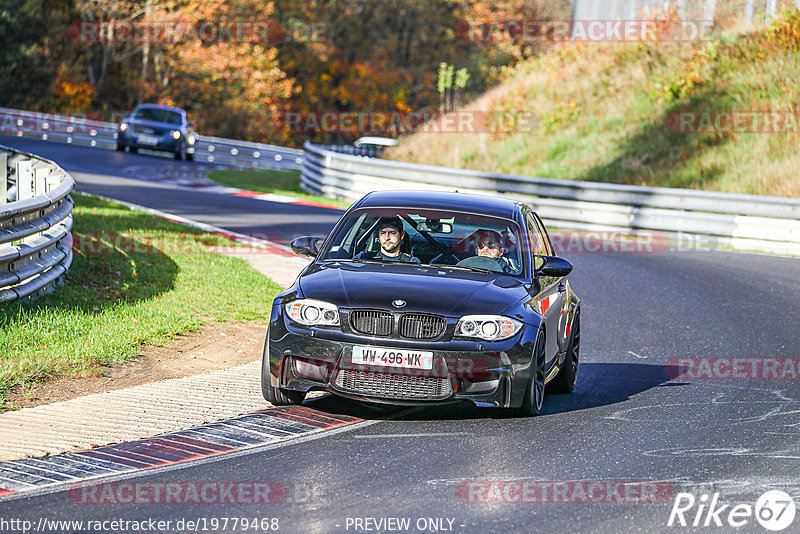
{"points": [[72, 96]]}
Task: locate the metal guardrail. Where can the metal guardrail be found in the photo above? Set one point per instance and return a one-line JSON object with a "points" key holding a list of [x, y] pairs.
{"points": [[747, 222], [80, 131], [35, 224]]}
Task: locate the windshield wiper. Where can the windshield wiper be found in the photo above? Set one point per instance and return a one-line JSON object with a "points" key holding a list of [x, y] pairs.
{"points": [[462, 267], [354, 260]]}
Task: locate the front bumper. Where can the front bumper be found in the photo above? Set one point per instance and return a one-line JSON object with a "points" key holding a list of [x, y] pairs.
{"points": [[487, 374], [166, 143]]}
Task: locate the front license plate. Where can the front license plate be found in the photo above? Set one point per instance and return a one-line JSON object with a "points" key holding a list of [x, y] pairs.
{"points": [[406, 359], [147, 140]]}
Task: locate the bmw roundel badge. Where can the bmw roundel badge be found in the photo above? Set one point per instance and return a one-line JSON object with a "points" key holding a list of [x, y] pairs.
{"points": [[398, 303]]}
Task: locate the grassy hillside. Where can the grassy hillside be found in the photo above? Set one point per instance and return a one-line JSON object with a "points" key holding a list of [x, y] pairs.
{"points": [[608, 113]]}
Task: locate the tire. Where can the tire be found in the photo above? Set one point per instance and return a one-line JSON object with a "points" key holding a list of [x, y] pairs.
{"points": [[565, 381], [133, 149], [189, 157], [277, 396], [121, 148], [534, 391], [180, 155]]}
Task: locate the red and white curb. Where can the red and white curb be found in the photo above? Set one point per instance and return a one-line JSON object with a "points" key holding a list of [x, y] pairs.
{"points": [[264, 427]]}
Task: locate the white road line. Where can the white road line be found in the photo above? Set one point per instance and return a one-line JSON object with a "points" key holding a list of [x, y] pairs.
{"points": [[419, 435]]}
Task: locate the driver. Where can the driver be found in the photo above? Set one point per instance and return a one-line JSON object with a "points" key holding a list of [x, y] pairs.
{"points": [[488, 245], [390, 234]]}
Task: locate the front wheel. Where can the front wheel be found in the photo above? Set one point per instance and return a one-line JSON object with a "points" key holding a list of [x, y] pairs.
{"points": [[273, 395], [534, 392], [181, 153], [565, 381], [281, 397]]}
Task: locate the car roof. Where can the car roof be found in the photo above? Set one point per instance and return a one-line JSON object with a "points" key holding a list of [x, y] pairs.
{"points": [[160, 106], [442, 200]]}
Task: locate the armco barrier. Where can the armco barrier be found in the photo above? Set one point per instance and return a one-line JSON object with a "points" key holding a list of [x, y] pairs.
{"points": [[747, 222], [80, 131], [35, 224]]}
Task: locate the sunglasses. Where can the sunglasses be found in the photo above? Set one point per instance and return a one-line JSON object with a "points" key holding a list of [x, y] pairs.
{"points": [[490, 245]]}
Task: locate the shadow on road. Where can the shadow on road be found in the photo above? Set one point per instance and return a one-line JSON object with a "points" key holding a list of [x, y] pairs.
{"points": [[599, 384]]}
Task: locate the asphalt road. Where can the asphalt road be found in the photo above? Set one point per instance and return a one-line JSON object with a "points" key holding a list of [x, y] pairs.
{"points": [[630, 420], [150, 180]]}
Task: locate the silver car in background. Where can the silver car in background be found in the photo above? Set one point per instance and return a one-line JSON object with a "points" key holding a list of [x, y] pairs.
{"points": [[157, 127]]}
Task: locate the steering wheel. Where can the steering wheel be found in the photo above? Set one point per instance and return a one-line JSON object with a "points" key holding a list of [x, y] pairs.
{"points": [[481, 262]]}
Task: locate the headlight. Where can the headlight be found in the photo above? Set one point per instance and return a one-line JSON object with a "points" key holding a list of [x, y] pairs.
{"points": [[488, 327], [313, 312], [123, 126], [176, 134]]}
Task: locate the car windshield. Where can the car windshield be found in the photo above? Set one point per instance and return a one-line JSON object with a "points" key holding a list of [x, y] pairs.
{"points": [[158, 115], [461, 240]]}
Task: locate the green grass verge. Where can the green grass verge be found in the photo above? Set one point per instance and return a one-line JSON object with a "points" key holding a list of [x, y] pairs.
{"points": [[271, 181], [135, 279]]}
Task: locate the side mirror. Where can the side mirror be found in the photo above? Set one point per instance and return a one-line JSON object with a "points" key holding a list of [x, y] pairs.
{"points": [[306, 246], [190, 124], [553, 266], [127, 116]]}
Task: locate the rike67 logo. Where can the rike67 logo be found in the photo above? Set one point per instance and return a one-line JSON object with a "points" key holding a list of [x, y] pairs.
{"points": [[774, 510]]}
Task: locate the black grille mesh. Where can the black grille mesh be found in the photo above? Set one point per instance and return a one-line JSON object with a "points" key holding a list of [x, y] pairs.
{"points": [[373, 323], [418, 326], [392, 386]]}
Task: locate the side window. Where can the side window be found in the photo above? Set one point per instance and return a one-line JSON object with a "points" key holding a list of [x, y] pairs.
{"points": [[536, 240], [545, 237]]}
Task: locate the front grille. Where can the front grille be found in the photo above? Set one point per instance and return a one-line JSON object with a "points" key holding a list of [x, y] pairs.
{"points": [[390, 386], [148, 131], [417, 326], [373, 323]]}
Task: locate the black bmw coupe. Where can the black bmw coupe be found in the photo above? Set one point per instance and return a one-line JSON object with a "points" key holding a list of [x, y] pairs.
{"points": [[427, 298]]}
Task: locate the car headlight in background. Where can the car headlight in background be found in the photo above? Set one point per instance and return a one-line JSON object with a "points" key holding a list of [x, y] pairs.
{"points": [[488, 327], [123, 126], [176, 134], [312, 312]]}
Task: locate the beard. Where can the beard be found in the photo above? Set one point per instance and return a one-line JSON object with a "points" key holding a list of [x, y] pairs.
{"points": [[390, 247]]}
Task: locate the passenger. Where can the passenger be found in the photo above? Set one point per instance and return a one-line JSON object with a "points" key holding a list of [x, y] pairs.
{"points": [[488, 245], [390, 235]]}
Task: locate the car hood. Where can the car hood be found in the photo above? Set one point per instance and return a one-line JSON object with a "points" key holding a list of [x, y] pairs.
{"points": [[425, 289]]}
